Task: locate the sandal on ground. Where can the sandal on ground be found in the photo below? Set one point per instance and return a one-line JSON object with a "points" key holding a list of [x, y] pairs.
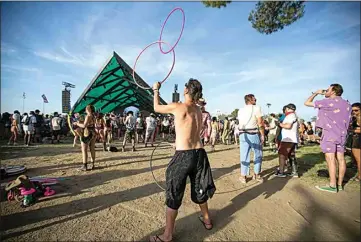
{"points": [[243, 180], [210, 225], [258, 178], [157, 238]]}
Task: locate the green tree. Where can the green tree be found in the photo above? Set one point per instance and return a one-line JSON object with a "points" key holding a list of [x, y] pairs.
{"points": [[269, 17], [234, 113], [222, 117], [215, 4]]}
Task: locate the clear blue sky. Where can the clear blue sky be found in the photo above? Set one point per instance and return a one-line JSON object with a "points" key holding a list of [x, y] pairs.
{"points": [[45, 43]]}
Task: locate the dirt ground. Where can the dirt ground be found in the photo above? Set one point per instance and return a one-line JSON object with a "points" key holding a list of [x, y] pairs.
{"points": [[120, 200]]}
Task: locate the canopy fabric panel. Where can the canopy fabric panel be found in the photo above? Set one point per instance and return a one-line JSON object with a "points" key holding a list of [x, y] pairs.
{"points": [[113, 87]]}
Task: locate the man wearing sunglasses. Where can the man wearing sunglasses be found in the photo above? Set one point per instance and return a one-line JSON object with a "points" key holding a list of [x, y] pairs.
{"points": [[333, 118]]}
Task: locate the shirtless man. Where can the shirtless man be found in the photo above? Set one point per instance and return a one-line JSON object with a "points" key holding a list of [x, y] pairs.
{"points": [[190, 159]]}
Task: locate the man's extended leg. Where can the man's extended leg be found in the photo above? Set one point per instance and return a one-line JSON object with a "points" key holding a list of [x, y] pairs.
{"points": [[176, 180], [205, 215], [257, 150], [124, 141], [341, 168], [331, 164], [171, 215], [329, 149], [245, 149]]}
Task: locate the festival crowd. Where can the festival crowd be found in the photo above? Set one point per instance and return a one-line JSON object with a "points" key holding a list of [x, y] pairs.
{"points": [[251, 130]]}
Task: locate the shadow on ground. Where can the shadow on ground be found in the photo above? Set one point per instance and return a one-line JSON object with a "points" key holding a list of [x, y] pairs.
{"points": [[85, 206]]}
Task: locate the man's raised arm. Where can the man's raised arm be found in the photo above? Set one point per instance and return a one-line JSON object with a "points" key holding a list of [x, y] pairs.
{"points": [[158, 108], [309, 101]]}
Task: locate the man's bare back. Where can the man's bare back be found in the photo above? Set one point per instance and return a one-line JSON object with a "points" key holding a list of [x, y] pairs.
{"points": [[188, 125], [188, 118]]}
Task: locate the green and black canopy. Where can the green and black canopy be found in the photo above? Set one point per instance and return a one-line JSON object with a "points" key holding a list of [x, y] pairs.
{"points": [[113, 88]]}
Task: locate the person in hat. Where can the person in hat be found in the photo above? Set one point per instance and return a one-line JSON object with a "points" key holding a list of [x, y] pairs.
{"points": [[289, 134], [206, 122]]}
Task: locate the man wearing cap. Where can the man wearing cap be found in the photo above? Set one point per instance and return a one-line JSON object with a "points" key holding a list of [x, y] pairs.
{"points": [[206, 122], [334, 114], [251, 136], [289, 141]]}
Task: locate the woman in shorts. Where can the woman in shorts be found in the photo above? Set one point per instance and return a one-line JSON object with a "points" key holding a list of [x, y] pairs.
{"points": [[88, 137], [99, 128]]}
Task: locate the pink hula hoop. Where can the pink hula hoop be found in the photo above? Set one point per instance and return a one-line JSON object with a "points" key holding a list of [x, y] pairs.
{"points": [[161, 32], [136, 61]]}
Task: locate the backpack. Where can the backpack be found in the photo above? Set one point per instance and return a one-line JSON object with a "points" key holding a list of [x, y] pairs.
{"points": [[27, 120], [39, 120]]}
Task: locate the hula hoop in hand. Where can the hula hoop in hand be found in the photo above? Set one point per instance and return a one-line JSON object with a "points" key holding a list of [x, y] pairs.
{"points": [[151, 164], [180, 35], [136, 61]]}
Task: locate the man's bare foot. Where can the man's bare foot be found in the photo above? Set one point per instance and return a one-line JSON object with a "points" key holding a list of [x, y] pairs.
{"points": [[159, 238]]}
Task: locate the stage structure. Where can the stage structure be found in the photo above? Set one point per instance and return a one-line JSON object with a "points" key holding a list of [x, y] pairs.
{"points": [[113, 88], [175, 97], [66, 105]]}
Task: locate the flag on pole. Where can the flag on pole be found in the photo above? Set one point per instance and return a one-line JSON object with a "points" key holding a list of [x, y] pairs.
{"points": [[44, 98], [24, 95]]}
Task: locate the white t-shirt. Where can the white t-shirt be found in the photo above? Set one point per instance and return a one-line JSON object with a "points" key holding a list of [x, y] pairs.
{"points": [[165, 123], [231, 126], [236, 129], [272, 126], [151, 123], [290, 135], [313, 124], [32, 121], [247, 116], [55, 123]]}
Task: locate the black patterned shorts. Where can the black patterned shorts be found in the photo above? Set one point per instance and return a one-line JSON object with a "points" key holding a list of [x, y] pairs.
{"points": [[183, 164]]}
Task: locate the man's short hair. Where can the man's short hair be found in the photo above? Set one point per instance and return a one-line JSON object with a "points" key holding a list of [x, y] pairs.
{"points": [[273, 115], [337, 88], [130, 112], [248, 98], [357, 105]]}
